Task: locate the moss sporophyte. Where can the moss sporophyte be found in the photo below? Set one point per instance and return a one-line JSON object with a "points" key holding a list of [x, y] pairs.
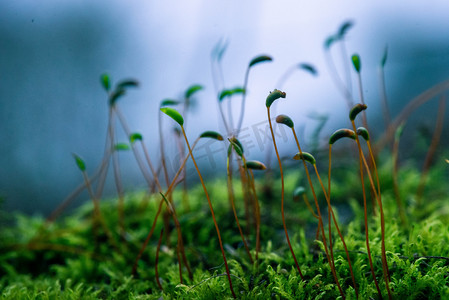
{"points": [[271, 246]]}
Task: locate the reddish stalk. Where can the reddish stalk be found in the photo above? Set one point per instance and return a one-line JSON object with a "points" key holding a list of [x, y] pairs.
{"points": [[231, 200], [246, 197], [212, 212], [153, 226], [385, 270], [364, 133], [257, 212], [334, 137], [172, 211], [365, 211], [282, 195], [283, 119], [249, 166], [330, 214]]}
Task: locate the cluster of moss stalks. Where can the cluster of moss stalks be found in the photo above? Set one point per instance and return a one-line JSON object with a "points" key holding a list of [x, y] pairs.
{"points": [[65, 262], [371, 230]]}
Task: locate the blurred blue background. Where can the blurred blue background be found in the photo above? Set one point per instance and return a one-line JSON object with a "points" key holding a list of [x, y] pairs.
{"points": [[52, 54]]}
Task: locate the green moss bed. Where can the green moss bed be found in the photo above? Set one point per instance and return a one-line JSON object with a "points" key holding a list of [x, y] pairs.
{"points": [[68, 259], [92, 252]]}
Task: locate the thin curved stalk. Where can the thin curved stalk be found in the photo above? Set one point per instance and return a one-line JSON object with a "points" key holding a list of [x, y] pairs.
{"points": [[365, 211], [231, 119], [162, 149], [153, 171], [121, 195], [385, 270], [109, 143], [246, 195], [120, 192], [250, 177], [185, 199], [330, 257], [136, 153], [335, 221], [242, 108], [231, 200], [147, 239], [185, 196], [257, 211], [282, 195], [212, 212], [377, 196], [362, 100], [382, 219], [331, 212], [172, 211], [153, 226]]}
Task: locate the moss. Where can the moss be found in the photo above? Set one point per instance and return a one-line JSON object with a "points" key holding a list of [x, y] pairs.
{"points": [[64, 261]]}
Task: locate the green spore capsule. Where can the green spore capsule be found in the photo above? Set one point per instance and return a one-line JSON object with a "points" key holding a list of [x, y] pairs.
{"points": [[259, 59], [192, 90], [356, 62], [274, 95], [212, 134], [127, 83], [174, 114], [224, 94], [305, 156], [283, 119], [105, 82], [344, 29], [168, 102], [115, 96], [79, 162], [309, 68], [228, 93], [238, 147], [255, 165], [341, 133], [363, 132], [135, 137], [121, 147], [356, 110]]}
